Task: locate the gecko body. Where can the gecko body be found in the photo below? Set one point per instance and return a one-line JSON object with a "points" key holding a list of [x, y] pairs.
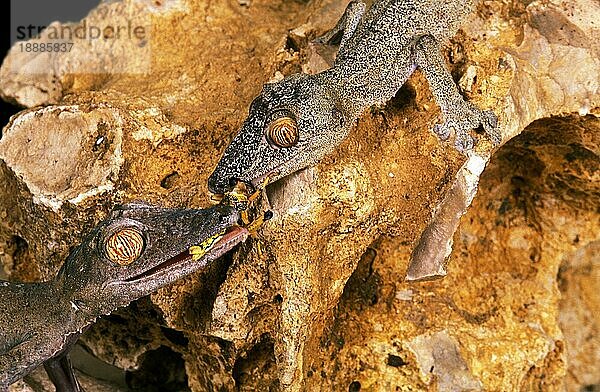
{"points": [[135, 251], [295, 122]]}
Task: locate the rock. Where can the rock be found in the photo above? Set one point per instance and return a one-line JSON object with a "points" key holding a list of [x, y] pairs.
{"points": [[527, 241], [112, 39], [438, 356], [63, 153], [54, 159], [64, 166], [579, 317], [317, 301]]}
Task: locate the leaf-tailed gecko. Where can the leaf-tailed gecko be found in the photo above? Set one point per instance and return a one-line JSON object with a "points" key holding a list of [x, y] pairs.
{"points": [[295, 122], [136, 250]]}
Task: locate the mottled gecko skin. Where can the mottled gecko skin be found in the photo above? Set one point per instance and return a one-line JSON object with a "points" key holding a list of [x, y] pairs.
{"points": [[39, 322], [379, 49]]}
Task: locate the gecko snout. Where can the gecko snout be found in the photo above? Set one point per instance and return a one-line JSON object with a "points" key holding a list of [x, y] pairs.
{"points": [[220, 185]]}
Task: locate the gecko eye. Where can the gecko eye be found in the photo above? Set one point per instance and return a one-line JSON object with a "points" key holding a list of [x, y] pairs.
{"points": [[282, 130], [124, 246]]}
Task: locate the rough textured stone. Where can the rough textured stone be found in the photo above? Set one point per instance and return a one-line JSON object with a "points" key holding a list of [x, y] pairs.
{"points": [[316, 301], [79, 155], [501, 300], [438, 357]]}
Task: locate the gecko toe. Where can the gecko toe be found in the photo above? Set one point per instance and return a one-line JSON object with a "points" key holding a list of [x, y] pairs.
{"points": [[461, 123], [490, 126], [442, 131], [464, 142]]}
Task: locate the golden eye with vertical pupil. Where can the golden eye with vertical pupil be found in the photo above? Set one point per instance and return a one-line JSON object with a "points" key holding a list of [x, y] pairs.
{"points": [[124, 246], [283, 131]]}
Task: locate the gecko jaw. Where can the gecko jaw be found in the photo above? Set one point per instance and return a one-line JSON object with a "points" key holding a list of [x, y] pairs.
{"points": [[183, 263], [272, 175]]}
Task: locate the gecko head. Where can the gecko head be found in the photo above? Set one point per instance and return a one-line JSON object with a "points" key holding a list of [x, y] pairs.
{"points": [[141, 248], [291, 125]]}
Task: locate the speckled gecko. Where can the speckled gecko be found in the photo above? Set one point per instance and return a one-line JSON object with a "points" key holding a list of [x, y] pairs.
{"points": [[293, 123]]}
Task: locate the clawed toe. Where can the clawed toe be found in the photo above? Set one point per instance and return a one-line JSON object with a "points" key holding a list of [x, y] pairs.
{"points": [[460, 132], [489, 121], [320, 40], [464, 142], [442, 131], [463, 122]]}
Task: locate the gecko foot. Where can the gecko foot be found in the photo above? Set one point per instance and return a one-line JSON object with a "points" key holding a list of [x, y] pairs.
{"points": [[465, 118], [346, 26]]}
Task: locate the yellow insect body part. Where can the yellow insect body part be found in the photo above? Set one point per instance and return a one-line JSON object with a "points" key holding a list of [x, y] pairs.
{"points": [[241, 201], [238, 198], [254, 226], [198, 251]]}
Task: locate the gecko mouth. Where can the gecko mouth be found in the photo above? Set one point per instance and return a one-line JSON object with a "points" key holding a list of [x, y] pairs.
{"points": [[273, 176], [252, 185], [185, 263]]}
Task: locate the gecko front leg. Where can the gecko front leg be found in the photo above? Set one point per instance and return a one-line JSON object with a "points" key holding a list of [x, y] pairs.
{"points": [[346, 25], [61, 373], [460, 116]]}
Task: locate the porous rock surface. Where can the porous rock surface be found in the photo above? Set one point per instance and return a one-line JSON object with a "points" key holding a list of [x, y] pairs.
{"points": [[317, 301]]}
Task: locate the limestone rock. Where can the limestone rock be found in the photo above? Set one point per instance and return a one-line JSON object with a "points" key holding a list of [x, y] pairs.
{"points": [[579, 315], [79, 154], [438, 356], [317, 301]]}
